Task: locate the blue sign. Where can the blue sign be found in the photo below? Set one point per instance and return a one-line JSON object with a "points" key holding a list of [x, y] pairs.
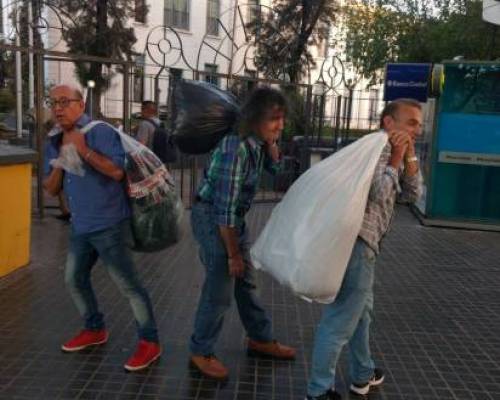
{"points": [[469, 133], [409, 81]]}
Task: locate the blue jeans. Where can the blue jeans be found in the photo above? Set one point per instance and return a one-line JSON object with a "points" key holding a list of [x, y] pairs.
{"points": [[218, 287], [112, 246], [346, 321]]}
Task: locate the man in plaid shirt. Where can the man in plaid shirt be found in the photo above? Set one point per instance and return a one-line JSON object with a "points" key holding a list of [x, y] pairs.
{"points": [[347, 320], [218, 221], [231, 179]]}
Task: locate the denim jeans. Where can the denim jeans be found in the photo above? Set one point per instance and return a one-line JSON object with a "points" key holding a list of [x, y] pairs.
{"points": [[219, 286], [346, 321], [112, 246]]}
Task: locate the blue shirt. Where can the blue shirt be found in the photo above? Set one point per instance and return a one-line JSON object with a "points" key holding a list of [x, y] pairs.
{"points": [[231, 180], [96, 201]]}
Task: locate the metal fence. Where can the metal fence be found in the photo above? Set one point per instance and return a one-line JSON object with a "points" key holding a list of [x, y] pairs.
{"points": [[188, 170], [317, 125]]}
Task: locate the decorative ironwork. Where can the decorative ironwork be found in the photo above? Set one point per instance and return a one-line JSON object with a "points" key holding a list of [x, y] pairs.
{"points": [[164, 47], [332, 73], [238, 47], [48, 21]]}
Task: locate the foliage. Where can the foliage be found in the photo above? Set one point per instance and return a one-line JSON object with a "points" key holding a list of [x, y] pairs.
{"points": [[415, 31], [286, 34], [98, 28]]}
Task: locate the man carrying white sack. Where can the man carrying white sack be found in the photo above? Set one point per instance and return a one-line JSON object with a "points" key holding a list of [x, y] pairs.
{"points": [[347, 320]]}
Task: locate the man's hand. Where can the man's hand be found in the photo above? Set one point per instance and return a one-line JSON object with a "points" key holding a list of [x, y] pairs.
{"points": [[273, 151], [410, 151], [235, 262], [53, 183], [411, 165], [236, 266], [273, 138], [99, 162], [400, 142], [78, 139]]}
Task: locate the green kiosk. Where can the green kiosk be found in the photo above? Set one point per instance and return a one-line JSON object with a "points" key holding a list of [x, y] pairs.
{"points": [[461, 148]]}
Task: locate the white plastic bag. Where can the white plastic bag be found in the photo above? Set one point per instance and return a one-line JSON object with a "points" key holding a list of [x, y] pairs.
{"points": [[69, 160], [156, 207], [308, 240]]}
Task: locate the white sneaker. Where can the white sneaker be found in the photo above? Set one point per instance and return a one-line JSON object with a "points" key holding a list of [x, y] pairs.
{"points": [[363, 388]]}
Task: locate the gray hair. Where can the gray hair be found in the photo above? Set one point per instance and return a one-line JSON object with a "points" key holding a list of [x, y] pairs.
{"points": [[392, 108]]}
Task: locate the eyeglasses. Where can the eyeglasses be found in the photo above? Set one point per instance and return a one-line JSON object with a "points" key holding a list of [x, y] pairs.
{"points": [[63, 102]]}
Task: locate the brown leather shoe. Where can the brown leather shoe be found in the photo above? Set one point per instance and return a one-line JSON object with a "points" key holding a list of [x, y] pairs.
{"points": [[210, 366], [273, 349]]}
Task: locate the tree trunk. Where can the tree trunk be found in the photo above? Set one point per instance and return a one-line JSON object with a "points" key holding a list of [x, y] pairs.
{"points": [[96, 68], [309, 19]]}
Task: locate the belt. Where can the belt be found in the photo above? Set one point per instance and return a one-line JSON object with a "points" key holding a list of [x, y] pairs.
{"points": [[199, 199]]}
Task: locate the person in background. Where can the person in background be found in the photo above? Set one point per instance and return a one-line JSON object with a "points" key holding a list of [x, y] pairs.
{"points": [[148, 123]]}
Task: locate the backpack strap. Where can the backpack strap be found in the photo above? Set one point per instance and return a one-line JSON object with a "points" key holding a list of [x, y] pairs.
{"points": [[157, 126]]}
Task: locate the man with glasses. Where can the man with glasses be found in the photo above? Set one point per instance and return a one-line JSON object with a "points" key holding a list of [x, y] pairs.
{"points": [[347, 320], [99, 223]]}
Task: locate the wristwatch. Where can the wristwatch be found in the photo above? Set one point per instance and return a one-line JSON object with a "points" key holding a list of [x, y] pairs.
{"points": [[412, 159]]}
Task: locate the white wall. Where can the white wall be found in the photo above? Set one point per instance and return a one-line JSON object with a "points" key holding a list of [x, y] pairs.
{"points": [[191, 39]]}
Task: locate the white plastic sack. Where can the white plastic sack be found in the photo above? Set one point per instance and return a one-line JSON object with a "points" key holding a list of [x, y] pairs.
{"points": [[69, 160], [308, 240]]}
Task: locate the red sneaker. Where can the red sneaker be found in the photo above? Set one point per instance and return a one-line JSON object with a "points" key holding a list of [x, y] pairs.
{"points": [[145, 354], [85, 339]]}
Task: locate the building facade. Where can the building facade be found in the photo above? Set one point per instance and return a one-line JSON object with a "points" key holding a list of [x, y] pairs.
{"points": [[206, 36]]}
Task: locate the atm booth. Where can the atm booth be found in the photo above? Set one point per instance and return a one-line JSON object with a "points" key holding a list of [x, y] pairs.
{"points": [[460, 150]]}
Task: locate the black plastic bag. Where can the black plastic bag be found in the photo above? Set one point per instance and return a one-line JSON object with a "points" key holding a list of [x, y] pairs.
{"points": [[156, 207], [205, 114]]}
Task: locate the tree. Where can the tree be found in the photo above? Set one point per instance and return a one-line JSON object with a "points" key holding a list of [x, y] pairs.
{"points": [[414, 31], [284, 36], [99, 28]]}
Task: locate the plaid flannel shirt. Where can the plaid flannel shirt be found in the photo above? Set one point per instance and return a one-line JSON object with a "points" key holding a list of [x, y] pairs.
{"points": [[387, 184], [232, 177]]}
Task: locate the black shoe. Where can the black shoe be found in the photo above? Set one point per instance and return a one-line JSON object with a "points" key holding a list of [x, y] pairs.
{"points": [[64, 217], [330, 395], [364, 387]]}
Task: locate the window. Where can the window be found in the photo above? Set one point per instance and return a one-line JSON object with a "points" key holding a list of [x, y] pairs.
{"points": [[140, 11], [251, 73], [254, 11], [177, 14], [373, 106], [323, 48], [138, 89], [175, 74], [213, 10], [210, 75], [251, 83]]}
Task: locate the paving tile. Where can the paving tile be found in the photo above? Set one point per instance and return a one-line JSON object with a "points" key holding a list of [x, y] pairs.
{"points": [[435, 331]]}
